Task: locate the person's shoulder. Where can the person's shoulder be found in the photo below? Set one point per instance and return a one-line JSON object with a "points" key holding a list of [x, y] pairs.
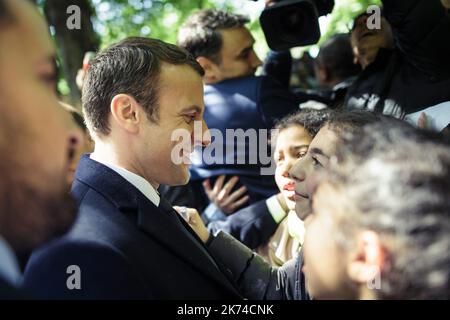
{"points": [[70, 246], [238, 84], [55, 268], [8, 292]]}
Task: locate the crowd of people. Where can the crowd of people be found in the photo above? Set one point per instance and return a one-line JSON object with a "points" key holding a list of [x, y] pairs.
{"points": [[353, 204]]}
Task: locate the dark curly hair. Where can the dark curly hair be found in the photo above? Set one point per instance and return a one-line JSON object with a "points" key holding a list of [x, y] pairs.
{"points": [[312, 120], [396, 179]]}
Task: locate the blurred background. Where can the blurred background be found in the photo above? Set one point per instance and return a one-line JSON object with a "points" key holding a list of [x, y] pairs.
{"points": [[106, 21]]}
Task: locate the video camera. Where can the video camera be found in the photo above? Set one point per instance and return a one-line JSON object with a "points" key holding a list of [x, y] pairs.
{"points": [[293, 23]]}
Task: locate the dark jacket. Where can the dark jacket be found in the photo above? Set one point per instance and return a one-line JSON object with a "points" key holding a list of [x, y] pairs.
{"points": [[125, 248], [256, 278], [416, 74], [8, 292]]}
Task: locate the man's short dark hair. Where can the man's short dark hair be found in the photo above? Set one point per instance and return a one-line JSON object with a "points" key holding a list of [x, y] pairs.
{"points": [[132, 67], [336, 56], [312, 120], [199, 34], [5, 14], [396, 178]]}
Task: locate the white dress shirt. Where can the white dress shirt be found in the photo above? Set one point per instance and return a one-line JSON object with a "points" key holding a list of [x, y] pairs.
{"points": [[9, 267], [140, 183]]}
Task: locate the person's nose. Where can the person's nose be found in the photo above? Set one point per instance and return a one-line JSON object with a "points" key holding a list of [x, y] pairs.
{"points": [[206, 136], [204, 139], [256, 62], [287, 166], [297, 171]]}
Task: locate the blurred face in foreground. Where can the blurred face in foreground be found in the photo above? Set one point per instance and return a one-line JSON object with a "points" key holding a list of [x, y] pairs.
{"points": [[380, 217], [325, 261], [34, 205]]}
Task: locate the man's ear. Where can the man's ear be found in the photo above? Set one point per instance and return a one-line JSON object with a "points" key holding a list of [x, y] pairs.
{"points": [[366, 263], [212, 72], [126, 112]]}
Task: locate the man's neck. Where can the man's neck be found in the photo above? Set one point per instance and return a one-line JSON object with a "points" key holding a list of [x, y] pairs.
{"points": [[108, 154]]}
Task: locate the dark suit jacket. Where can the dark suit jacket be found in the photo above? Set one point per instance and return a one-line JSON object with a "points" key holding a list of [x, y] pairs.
{"points": [[125, 247], [8, 292]]}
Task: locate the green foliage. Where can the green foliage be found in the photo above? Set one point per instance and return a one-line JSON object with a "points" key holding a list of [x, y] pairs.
{"points": [[117, 19]]}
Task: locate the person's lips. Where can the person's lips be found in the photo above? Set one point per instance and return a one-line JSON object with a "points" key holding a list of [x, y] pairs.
{"points": [[289, 190], [289, 186]]}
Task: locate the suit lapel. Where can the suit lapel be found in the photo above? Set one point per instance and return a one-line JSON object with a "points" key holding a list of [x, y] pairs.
{"points": [[151, 219], [157, 224]]}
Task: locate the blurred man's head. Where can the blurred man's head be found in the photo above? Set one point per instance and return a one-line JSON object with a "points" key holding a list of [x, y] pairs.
{"points": [[296, 132], [136, 94], [367, 43], [81, 141], [380, 226], [34, 203], [446, 3], [320, 151], [221, 44], [335, 62]]}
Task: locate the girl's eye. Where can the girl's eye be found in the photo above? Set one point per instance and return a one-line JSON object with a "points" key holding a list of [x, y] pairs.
{"points": [[301, 154]]}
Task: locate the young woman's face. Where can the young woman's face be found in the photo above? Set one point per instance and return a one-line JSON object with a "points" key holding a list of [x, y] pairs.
{"points": [[292, 144]]}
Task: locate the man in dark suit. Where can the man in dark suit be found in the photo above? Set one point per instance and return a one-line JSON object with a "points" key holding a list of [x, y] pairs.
{"points": [[128, 242]]}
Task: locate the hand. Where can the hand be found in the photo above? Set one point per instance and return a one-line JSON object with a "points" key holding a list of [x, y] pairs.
{"points": [[195, 222], [221, 197], [422, 122]]}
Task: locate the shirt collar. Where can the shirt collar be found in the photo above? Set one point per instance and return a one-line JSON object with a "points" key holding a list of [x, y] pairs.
{"points": [[9, 267], [139, 182]]}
